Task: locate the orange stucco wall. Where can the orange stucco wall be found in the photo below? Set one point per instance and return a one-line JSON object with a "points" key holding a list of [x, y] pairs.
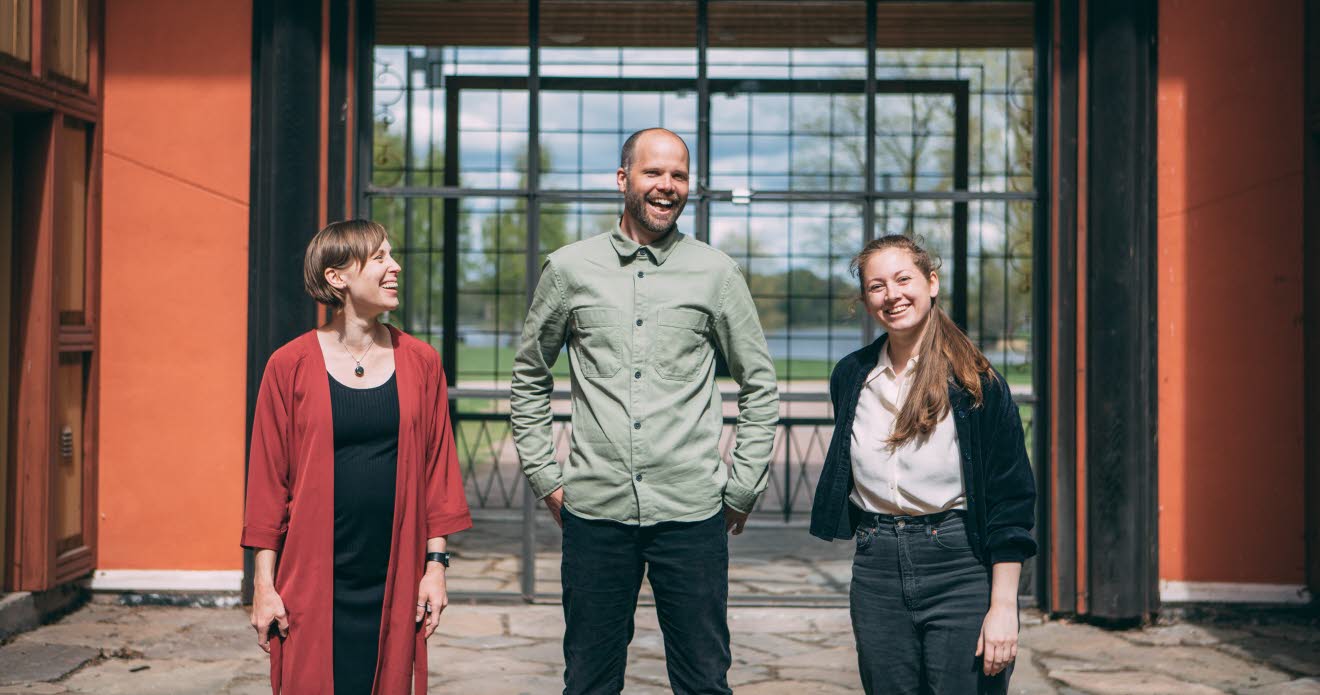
{"points": [[174, 287], [1230, 291]]}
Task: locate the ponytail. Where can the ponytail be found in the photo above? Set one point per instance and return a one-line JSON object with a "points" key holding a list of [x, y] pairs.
{"points": [[946, 354]]}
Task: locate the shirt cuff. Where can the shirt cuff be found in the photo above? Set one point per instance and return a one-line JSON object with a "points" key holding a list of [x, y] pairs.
{"points": [[546, 480], [739, 498], [445, 524], [1011, 545], [262, 538]]}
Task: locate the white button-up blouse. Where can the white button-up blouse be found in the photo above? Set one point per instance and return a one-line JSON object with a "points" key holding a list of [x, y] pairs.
{"points": [[924, 475]]}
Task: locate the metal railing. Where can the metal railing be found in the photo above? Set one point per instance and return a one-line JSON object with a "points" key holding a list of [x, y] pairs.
{"points": [[493, 478], [496, 487]]}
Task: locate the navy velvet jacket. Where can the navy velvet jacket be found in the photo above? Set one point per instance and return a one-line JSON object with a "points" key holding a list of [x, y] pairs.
{"points": [[1001, 487]]}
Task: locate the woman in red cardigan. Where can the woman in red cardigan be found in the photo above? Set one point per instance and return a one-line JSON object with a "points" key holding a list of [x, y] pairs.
{"points": [[353, 485]]}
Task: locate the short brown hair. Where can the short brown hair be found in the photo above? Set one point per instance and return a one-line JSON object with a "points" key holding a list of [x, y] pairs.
{"points": [[337, 246]]}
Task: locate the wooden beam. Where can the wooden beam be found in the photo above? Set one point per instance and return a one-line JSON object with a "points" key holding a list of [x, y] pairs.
{"points": [[1311, 294], [1063, 312], [285, 194], [733, 24], [33, 551], [1121, 480]]}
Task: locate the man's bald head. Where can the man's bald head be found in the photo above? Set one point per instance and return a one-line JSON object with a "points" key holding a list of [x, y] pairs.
{"points": [[629, 151]]}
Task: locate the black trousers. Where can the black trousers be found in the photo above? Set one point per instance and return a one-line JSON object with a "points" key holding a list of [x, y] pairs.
{"points": [[688, 566], [918, 599]]}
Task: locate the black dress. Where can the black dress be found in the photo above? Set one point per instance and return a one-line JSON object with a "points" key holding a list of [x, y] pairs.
{"points": [[366, 425]]}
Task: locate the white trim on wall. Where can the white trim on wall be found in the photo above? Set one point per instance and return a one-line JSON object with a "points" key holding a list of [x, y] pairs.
{"points": [[167, 580], [1232, 592], [231, 580]]}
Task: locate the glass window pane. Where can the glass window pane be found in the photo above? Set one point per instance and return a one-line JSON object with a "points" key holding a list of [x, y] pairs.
{"points": [[914, 144], [492, 145], [565, 223], [999, 294], [416, 230], [796, 256], [66, 36], [492, 282], [580, 143], [756, 129], [71, 222], [914, 134], [16, 29], [423, 51]]}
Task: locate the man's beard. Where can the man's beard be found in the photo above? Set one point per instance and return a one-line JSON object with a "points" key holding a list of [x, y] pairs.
{"points": [[634, 206]]}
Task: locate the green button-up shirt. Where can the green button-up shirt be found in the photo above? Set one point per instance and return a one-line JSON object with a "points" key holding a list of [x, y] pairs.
{"points": [[642, 324]]}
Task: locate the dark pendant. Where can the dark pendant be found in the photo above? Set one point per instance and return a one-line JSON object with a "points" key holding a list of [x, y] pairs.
{"points": [[359, 371]]}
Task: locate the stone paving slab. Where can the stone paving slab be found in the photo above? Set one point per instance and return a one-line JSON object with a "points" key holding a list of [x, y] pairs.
{"points": [[515, 649], [33, 662], [1301, 686]]}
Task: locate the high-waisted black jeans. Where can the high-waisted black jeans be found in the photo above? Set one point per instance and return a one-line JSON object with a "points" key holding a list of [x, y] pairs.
{"points": [[601, 569], [918, 599]]}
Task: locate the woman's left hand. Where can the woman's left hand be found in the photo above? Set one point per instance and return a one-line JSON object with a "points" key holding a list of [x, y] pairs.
{"points": [[432, 592], [997, 645]]}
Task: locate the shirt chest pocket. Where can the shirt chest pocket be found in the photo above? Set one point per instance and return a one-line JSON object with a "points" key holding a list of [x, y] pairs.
{"points": [[598, 342], [682, 343]]}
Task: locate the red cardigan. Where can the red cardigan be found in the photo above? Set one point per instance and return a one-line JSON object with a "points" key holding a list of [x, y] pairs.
{"points": [[290, 509]]}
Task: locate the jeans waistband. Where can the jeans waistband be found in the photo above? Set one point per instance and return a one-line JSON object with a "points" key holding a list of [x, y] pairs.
{"points": [[870, 518]]}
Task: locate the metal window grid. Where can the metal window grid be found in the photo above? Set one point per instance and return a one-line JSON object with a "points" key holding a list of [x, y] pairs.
{"points": [[423, 197]]}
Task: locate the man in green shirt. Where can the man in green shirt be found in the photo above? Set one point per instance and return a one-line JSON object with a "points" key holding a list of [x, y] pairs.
{"points": [[643, 310]]}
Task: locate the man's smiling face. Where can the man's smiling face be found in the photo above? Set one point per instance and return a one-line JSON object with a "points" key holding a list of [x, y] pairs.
{"points": [[655, 188]]}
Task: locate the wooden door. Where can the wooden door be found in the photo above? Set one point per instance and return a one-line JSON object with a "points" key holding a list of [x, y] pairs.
{"points": [[53, 366]]}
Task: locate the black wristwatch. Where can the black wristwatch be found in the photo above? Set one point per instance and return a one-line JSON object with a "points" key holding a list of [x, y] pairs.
{"points": [[442, 558]]}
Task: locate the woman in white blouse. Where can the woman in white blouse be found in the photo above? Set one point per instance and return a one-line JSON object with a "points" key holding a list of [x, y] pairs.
{"points": [[928, 469]]}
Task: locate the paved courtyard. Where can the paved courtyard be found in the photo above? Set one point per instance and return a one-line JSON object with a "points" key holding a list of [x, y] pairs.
{"points": [[767, 560], [111, 649]]}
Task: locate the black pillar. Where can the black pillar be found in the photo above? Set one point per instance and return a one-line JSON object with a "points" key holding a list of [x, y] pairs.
{"points": [[286, 78], [1061, 509], [1036, 573], [338, 139], [1121, 494]]}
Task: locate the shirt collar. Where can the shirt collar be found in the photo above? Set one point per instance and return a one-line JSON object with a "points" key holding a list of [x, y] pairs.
{"points": [[885, 364], [660, 248]]}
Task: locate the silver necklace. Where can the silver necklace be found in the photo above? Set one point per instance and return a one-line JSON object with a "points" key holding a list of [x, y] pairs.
{"points": [[358, 370]]}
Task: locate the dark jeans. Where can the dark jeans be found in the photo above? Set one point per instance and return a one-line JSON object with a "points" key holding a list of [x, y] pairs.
{"points": [[917, 600], [688, 566]]}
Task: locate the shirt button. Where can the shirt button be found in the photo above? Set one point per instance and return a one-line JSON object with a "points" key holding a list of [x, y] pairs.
{"points": [[638, 477], [637, 375], [639, 322], [640, 274], [637, 425]]}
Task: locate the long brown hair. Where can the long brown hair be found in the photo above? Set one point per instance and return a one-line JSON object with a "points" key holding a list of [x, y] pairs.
{"points": [[947, 354]]}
